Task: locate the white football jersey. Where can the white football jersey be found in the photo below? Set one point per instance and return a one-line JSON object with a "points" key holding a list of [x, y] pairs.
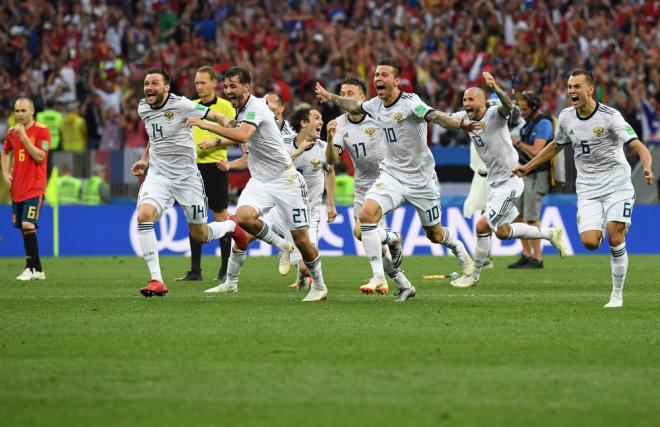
{"points": [[365, 143], [598, 143], [493, 143], [408, 157], [312, 165], [286, 129], [268, 157], [172, 151]]}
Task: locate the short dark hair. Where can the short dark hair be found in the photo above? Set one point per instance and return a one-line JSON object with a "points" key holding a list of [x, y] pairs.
{"points": [[586, 73], [242, 74], [162, 72], [210, 71], [296, 118], [354, 81], [392, 63]]}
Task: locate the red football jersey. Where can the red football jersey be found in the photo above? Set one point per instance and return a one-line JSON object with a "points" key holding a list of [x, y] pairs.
{"points": [[28, 176]]}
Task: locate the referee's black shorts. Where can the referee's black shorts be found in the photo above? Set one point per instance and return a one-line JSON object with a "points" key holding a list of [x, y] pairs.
{"points": [[215, 186]]}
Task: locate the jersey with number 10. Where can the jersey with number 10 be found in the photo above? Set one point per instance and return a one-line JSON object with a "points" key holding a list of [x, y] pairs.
{"points": [[598, 143], [172, 151], [408, 157]]}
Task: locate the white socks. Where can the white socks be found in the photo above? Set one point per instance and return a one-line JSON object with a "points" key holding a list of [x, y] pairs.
{"points": [[395, 274], [619, 263], [234, 265], [268, 236], [149, 246], [218, 229], [314, 268], [372, 241], [450, 241], [521, 230], [480, 253]]}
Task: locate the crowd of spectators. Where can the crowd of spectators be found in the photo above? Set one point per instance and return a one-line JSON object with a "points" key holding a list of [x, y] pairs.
{"points": [[89, 56]]}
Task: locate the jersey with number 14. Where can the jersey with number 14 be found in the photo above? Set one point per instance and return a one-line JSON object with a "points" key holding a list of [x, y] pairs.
{"points": [[172, 151], [598, 142], [408, 157], [365, 143]]}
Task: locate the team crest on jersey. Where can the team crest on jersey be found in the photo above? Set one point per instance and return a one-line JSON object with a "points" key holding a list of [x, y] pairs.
{"points": [[315, 162], [371, 132], [599, 131], [380, 186], [169, 115], [398, 117]]}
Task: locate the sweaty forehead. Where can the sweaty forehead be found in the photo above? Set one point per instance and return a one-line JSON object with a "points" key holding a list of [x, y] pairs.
{"points": [[153, 78], [388, 69]]}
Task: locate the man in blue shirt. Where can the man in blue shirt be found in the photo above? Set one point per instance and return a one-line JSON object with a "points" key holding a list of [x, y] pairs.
{"points": [[536, 134]]}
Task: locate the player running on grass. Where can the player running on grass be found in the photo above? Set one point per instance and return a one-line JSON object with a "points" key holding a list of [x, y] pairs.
{"points": [[361, 136], [493, 143], [274, 180], [407, 172], [173, 174], [605, 192]]}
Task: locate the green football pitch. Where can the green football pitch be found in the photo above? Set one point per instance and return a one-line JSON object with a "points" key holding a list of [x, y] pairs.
{"points": [[523, 348]]}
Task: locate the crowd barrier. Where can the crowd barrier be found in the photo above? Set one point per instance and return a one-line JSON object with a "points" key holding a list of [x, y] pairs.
{"points": [[112, 230]]}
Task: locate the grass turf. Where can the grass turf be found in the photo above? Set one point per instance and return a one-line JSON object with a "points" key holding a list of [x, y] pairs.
{"points": [[522, 348]]}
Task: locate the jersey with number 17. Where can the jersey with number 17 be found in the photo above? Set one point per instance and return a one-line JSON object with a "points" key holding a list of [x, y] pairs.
{"points": [[598, 140], [172, 151]]}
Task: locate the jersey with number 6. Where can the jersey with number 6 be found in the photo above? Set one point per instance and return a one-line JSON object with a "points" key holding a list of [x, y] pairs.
{"points": [[408, 157], [365, 143], [493, 143], [172, 151], [598, 143]]}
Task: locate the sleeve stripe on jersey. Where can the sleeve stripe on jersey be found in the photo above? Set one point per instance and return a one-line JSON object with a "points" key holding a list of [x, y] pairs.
{"points": [[250, 123], [630, 140], [503, 116], [606, 111], [427, 113], [341, 150], [206, 114]]}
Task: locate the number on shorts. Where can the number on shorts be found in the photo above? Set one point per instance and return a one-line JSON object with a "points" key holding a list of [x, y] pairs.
{"points": [[155, 128], [389, 135], [627, 209], [32, 212], [357, 146], [433, 213], [491, 213], [198, 209], [478, 141], [585, 146], [297, 213]]}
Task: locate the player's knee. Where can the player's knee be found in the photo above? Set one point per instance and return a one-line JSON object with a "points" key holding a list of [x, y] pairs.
{"points": [[503, 232], [27, 227], [482, 226], [199, 234], [616, 239], [147, 213], [245, 216], [590, 243]]}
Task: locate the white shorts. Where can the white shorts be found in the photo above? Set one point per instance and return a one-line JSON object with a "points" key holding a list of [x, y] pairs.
{"points": [[162, 192], [501, 203], [593, 214], [390, 193], [288, 193], [477, 198]]}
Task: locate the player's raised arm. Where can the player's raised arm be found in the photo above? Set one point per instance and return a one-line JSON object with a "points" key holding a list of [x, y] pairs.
{"points": [[446, 121], [645, 157], [507, 104], [545, 155], [351, 106]]}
